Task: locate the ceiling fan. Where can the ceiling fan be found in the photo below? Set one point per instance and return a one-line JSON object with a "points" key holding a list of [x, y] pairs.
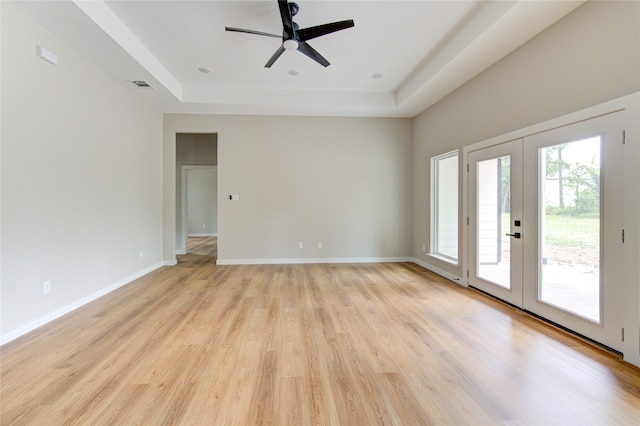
{"points": [[294, 37]]}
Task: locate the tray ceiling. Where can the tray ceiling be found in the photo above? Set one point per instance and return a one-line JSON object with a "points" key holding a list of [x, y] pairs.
{"points": [[400, 58]]}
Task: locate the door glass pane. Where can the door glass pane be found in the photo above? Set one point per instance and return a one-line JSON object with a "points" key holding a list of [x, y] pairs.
{"points": [[494, 248], [569, 259]]}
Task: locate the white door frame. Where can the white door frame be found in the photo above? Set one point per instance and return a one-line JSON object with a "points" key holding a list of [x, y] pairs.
{"points": [[630, 104]]}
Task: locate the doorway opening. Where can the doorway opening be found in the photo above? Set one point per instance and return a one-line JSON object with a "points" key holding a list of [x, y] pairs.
{"points": [[196, 194]]}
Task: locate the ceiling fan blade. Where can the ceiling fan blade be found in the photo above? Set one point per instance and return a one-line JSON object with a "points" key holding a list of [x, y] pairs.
{"points": [[242, 30], [320, 30], [303, 47], [287, 20], [275, 56]]}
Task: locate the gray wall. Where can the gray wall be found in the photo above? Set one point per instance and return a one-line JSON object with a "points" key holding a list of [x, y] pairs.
{"points": [[202, 200], [81, 178], [345, 182]]}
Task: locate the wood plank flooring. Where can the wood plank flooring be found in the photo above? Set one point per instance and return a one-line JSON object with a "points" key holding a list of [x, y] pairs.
{"points": [[205, 246], [353, 344]]}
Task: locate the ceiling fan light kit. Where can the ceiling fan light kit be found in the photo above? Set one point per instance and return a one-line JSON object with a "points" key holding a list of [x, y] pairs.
{"points": [[295, 38], [291, 45]]}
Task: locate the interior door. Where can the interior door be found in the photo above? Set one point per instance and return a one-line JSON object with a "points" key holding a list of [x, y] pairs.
{"points": [[574, 216], [546, 225], [496, 230]]}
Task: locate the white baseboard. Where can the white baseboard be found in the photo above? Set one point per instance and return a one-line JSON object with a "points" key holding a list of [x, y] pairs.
{"points": [[20, 331], [438, 271], [311, 260]]}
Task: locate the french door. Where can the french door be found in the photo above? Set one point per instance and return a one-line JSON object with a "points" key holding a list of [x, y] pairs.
{"points": [[545, 225], [495, 205]]}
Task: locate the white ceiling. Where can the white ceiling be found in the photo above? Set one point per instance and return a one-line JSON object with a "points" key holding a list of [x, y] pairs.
{"points": [[423, 50]]}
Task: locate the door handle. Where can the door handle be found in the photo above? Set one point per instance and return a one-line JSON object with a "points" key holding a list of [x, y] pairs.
{"points": [[515, 235]]}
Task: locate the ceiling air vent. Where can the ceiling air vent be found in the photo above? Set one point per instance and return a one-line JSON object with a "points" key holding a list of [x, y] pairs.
{"points": [[141, 84]]}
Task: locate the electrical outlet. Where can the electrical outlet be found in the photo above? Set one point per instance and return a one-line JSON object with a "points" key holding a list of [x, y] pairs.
{"points": [[424, 247], [46, 287], [300, 244], [319, 244], [141, 254]]}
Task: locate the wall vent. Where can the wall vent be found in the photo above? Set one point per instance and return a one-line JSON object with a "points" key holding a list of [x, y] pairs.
{"points": [[141, 84]]}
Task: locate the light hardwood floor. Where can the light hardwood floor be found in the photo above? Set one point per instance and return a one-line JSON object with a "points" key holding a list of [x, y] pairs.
{"points": [[353, 344], [204, 246]]}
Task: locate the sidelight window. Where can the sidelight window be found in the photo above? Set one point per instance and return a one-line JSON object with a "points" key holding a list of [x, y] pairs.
{"points": [[444, 206]]}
